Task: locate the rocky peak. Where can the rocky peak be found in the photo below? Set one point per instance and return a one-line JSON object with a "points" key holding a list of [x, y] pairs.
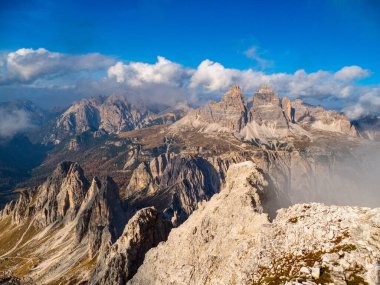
{"points": [[174, 184], [286, 105], [265, 95], [266, 110], [235, 98], [61, 195], [318, 118], [101, 214], [75, 219], [230, 114], [111, 114], [121, 260]]}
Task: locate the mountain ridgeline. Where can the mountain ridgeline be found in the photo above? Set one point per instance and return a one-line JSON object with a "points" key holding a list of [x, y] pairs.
{"points": [[237, 183]]}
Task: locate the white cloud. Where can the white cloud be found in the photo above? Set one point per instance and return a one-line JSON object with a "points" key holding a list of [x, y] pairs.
{"points": [[212, 76], [12, 122], [138, 73], [27, 65], [40, 71], [368, 103], [351, 72], [330, 89]]}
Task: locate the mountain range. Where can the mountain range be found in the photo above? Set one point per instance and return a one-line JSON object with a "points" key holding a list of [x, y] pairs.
{"points": [[260, 190]]}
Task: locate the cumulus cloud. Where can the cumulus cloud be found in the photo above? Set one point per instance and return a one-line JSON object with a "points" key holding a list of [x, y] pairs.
{"points": [[27, 65], [13, 122], [351, 72], [331, 89], [368, 103], [212, 76], [40, 71], [138, 73]]}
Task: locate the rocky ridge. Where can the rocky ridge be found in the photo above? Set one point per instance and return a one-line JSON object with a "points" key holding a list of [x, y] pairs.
{"points": [[120, 261], [108, 115], [230, 113], [175, 184], [80, 229], [268, 118], [73, 223], [229, 240], [66, 222]]}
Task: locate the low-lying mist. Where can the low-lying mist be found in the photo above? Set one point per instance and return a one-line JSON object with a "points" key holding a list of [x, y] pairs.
{"points": [[352, 180], [12, 122]]}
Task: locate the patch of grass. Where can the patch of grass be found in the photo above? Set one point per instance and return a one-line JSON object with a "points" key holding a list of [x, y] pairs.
{"points": [[287, 268], [11, 234], [73, 276], [355, 279]]}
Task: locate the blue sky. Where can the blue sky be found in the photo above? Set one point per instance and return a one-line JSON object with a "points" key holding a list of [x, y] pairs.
{"points": [[292, 35], [323, 51]]}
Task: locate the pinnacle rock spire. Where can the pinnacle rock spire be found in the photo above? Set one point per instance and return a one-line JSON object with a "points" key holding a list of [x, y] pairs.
{"points": [[265, 89]]}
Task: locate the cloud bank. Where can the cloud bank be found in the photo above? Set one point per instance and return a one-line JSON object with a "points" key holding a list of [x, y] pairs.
{"points": [[13, 122], [27, 65], [39, 71]]}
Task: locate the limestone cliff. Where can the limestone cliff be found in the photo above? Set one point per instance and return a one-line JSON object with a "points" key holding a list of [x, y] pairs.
{"points": [[62, 224], [119, 262], [229, 240], [268, 118]]}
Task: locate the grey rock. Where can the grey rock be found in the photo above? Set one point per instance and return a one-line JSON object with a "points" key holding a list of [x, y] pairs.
{"points": [[120, 261]]}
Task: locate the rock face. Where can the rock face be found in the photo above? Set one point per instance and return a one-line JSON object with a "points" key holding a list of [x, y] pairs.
{"points": [[268, 118], [75, 220], [101, 214], [231, 112], [60, 196], [266, 109], [67, 196], [110, 114], [174, 184], [321, 119], [229, 240], [120, 261]]}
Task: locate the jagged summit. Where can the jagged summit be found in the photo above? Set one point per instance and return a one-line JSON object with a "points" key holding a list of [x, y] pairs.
{"points": [[231, 113], [266, 110], [235, 88], [265, 89], [234, 96], [265, 95]]}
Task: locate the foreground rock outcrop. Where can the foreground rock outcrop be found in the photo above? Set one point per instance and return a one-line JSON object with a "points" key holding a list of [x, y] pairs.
{"points": [[119, 262], [229, 240]]}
